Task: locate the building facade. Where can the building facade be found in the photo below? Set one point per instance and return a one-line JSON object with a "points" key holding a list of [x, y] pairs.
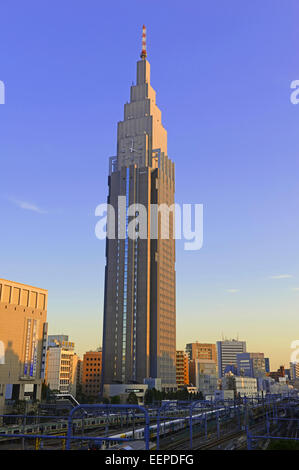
{"points": [[182, 369], [91, 374], [61, 341], [294, 370], [23, 333], [207, 384], [139, 331], [203, 375], [220, 395], [62, 365], [277, 374], [242, 386], [201, 351], [201, 366], [227, 351], [251, 364]]}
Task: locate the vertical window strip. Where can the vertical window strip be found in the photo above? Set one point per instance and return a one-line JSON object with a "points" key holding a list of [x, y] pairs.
{"points": [[135, 294], [124, 335]]}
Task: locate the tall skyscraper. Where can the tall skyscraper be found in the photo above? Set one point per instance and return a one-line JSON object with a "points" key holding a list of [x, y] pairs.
{"points": [[227, 351], [139, 334]]}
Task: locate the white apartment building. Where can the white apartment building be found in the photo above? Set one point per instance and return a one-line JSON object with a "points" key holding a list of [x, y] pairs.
{"points": [[61, 370]]}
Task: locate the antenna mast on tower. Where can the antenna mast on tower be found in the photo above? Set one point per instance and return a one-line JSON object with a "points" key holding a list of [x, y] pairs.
{"points": [[143, 51]]}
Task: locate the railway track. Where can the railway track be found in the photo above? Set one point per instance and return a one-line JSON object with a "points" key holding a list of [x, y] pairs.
{"points": [[198, 442]]}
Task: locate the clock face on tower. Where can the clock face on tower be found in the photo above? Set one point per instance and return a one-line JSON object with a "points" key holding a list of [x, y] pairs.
{"points": [[132, 150]]}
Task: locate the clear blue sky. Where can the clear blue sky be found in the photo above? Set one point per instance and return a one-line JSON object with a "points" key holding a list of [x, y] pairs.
{"points": [[222, 72]]}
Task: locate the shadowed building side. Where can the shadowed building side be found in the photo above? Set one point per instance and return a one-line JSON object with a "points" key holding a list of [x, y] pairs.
{"points": [[23, 337]]}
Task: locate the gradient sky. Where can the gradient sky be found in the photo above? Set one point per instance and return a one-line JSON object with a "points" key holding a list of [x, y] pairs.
{"points": [[222, 72]]}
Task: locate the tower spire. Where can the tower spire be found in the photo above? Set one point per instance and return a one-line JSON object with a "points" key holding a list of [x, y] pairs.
{"points": [[143, 51]]}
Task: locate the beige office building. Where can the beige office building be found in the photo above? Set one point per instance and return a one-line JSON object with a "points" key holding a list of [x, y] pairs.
{"points": [[201, 351], [139, 334], [23, 335]]}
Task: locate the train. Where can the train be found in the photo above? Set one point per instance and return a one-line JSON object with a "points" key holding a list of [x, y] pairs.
{"points": [[79, 424], [167, 427]]}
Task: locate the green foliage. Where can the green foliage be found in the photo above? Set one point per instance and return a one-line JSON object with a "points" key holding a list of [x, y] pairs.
{"points": [[85, 399], [46, 391], [115, 400], [20, 407], [132, 399], [282, 444]]}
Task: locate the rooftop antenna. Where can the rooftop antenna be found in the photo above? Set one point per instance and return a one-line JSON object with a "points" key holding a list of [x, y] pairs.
{"points": [[143, 51]]}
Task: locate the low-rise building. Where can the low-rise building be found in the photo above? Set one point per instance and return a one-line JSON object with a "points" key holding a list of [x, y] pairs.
{"points": [[91, 374], [220, 395], [271, 386], [191, 389], [242, 386], [61, 368], [279, 373]]}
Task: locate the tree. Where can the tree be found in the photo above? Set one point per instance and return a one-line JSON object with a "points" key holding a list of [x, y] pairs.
{"points": [[183, 394], [46, 391], [20, 407], [115, 400], [132, 399], [149, 396]]}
